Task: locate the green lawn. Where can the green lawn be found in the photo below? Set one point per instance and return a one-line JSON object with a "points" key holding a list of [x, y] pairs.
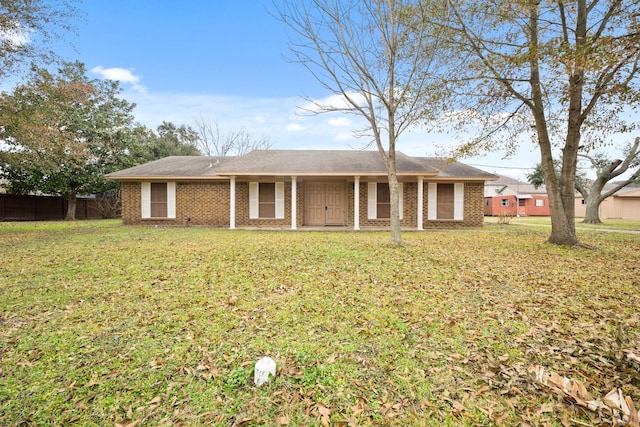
{"points": [[607, 224], [108, 325]]}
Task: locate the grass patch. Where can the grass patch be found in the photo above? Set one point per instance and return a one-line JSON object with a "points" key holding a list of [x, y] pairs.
{"points": [[607, 224], [102, 324]]}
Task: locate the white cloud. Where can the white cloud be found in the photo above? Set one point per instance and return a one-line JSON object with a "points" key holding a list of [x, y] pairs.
{"points": [[344, 136], [332, 102], [294, 127], [339, 122], [121, 75]]}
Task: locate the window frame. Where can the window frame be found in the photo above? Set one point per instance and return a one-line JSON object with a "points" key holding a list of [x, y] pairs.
{"points": [[372, 205], [458, 201], [146, 202], [255, 203]]}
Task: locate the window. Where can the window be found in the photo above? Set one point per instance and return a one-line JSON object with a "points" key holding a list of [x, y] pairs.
{"points": [[383, 201], [504, 202], [539, 202], [266, 200], [379, 198], [522, 202], [486, 202], [583, 202], [158, 199], [445, 201]]}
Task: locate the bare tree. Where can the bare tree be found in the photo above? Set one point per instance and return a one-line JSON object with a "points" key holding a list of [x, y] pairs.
{"points": [[214, 143], [364, 51]]}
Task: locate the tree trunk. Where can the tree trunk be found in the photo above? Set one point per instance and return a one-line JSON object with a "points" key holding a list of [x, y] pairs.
{"points": [[593, 200], [70, 197], [394, 199], [592, 214], [563, 230]]}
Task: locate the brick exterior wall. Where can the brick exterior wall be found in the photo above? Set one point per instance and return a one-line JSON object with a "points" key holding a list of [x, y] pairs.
{"points": [[207, 203], [131, 203], [242, 208], [473, 215], [197, 203], [409, 209]]}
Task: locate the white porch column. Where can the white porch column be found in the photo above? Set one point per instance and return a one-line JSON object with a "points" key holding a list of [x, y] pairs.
{"points": [[356, 203], [232, 203], [420, 201], [294, 204]]}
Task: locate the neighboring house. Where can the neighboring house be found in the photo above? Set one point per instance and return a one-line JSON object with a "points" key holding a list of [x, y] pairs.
{"points": [[625, 204], [301, 188], [510, 197]]}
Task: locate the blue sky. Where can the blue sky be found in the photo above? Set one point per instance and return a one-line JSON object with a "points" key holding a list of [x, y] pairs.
{"points": [[225, 61]]}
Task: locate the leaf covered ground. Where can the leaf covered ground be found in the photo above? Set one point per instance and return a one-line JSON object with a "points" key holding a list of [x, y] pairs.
{"points": [[108, 325]]}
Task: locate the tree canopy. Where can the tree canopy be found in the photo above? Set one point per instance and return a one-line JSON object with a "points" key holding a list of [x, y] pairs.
{"points": [[63, 133], [27, 28], [167, 140], [563, 73]]}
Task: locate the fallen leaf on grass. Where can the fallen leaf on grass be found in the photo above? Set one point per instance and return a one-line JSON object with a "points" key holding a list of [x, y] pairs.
{"points": [[621, 408], [282, 421], [243, 422], [620, 403], [634, 357], [323, 412]]}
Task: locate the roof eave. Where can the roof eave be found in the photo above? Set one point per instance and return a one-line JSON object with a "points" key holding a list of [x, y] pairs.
{"points": [[166, 178], [327, 174]]}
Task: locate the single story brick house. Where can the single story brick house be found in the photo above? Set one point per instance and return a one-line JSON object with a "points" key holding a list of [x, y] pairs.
{"points": [[301, 188]]}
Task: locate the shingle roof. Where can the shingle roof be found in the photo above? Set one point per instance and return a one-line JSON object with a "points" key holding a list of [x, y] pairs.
{"points": [[451, 169], [505, 180], [175, 166], [297, 162], [320, 162]]}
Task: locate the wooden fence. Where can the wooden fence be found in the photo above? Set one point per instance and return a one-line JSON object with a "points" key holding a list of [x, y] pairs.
{"points": [[36, 208]]}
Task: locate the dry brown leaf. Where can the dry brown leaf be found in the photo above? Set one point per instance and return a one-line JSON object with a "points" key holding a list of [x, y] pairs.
{"points": [[620, 407], [282, 421], [633, 356], [546, 407], [482, 389], [323, 410], [634, 417]]}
